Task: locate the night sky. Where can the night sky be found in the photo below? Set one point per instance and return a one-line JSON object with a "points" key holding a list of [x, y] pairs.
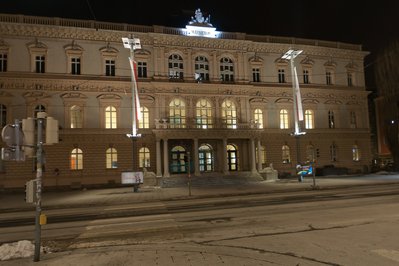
{"points": [[370, 23]]}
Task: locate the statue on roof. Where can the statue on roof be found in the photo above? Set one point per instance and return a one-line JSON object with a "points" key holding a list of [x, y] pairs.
{"points": [[199, 18]]}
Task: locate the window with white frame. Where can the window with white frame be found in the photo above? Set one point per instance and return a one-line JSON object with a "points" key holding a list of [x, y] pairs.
{"points": [[75, 65], [177, 113], [144, 121], [76, 159], [281, 75], [40, 63], [258, 117], [144, 157], [109, 67], [306, 79], [309, 119], [331, 119], [141, 69], [175, 66], [203, 114], [256, 74], [110, 117], [111, 158], [76, 116], [201, 65], [229, 114], [226, 69], [284, 119]]}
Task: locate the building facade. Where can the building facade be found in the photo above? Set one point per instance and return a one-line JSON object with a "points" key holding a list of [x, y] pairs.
{"points": [[223, 100]]}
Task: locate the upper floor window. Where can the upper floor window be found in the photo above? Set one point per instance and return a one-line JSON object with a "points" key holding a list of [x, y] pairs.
{"points": [[355, 153], [281, 75], [255, 74], [203, 114], [229, 114], [306, 76], [142, 69], [309, 119], [175, 66], [75, 65], [3, 115], [283, 119], [39, 108], [258, 117], [353, 122], [76, 159], [329, 78], [177, 113], [40, 61], [3, 62], [333, 152], [76, 116], [110, 67], [110, 117], [144, 121], [350, 79], [144, 157], [286, 156], [111, 158], [201, 68], [226, 69], [331, 122]]}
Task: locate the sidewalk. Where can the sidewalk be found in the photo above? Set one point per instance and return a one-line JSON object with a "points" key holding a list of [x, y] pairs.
{"points": [[123, 195]]}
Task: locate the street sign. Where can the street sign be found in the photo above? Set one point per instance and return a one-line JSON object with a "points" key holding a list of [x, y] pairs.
{"points": [[12, 135]]}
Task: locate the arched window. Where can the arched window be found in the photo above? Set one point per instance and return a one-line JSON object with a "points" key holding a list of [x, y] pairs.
{"points": [[178, 164], [226, 69], [229, 114], [144, 121], [201, 69], [111, 156], [177, 113], [286, 156], [283, 119], [258, 117], [3, 115], [110, 117], [355, 153], [76, 159], [203, 114], [144, 157], [76, 116], [205, 157], [175, 66], [309, 119], [232, 157]]}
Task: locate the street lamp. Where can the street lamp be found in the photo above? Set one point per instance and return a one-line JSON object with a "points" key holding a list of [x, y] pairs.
{"points": [[132, 44], [297, 102]]}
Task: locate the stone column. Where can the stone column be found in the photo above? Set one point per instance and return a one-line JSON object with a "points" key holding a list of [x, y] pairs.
{"points": [[196, 161], [165, 159], [260, 154], [158, 154], [224, 157]]}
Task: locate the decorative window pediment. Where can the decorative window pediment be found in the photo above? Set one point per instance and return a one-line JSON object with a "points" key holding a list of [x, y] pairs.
{"points": [[307, 62], [281, 62], [37, 46], [73, 48], [330, 64]]}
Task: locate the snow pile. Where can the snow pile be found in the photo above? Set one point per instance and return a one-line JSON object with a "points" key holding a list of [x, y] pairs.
{"points": [[20, 249]]}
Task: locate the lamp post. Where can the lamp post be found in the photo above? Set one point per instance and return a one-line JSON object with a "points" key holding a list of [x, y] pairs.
{"points": [[132, 44], [297, 102]]}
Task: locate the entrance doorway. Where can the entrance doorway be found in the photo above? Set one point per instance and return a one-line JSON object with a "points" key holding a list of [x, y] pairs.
{"points": [[232, 158], [205, 156]]}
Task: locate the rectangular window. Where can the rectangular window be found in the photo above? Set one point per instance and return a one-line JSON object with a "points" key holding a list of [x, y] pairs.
{"points": [[256, 75], [350, 80], [3, 62], [142, 69], [281, 76], [110, 67], [328, 78], [39, 63], [306, 76], [75, 65]]}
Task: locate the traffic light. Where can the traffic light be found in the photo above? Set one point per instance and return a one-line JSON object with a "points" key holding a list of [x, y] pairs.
{"points": [[30, 191], [28, 127], [317, 153], [51, 130]]}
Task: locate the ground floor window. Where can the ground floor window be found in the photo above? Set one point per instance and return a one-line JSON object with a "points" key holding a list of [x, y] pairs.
{"points": [[232, 158], [205, 156]]}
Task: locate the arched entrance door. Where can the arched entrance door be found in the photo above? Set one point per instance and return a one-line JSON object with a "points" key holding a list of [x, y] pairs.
{"points": [[232, 158], [205, 156], [177, 163]]}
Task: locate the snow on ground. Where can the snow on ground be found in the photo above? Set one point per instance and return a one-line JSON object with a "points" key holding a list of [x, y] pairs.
{"points": [[20, 249]]}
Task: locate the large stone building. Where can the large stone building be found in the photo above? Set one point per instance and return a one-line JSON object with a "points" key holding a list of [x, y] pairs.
{"points": [[224, 97]]}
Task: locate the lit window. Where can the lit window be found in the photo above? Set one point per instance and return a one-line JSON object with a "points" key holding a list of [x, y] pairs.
{"points": [[177, 113], [203, 114], [258, 117], [310, 153], [355, 153], [76, 116], [144, 121], [201, 68], [226, 69], [111, 156], [286, 157], [76, 159], [144, 157], [309, 119], [110, 117], [283, 119], [262, 155], [229, 114], [175, 66]]}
